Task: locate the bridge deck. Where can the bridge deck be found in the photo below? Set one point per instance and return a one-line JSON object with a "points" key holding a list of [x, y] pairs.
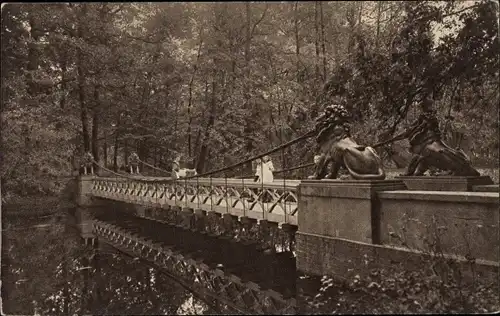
{"points": [[276, 201]]}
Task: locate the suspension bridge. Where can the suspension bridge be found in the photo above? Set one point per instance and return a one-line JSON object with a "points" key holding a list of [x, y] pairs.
{"points": [[222, 235]]}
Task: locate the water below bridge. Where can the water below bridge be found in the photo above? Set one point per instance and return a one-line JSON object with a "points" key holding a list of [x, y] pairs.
{"points": [[48, 269]]}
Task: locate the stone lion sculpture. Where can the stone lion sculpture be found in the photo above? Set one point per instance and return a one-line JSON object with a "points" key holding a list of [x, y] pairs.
{"points": [[429, 149], [133, 162], [88, 163], [338, 150]]}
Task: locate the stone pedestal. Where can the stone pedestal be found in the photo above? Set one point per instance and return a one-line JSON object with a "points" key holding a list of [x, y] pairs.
{"points": [[84, 197], [444, 183], [344, 209]]}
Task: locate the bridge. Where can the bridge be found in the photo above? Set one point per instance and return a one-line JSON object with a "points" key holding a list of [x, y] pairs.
{"points": [[238, 197], [209, 230]]}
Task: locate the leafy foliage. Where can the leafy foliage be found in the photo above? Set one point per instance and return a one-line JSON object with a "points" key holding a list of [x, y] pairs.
{"points": [[218, 82], [392, 291]]}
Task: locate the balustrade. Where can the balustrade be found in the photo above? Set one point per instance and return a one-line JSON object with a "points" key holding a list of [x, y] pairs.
{"points": [[276, 202]]}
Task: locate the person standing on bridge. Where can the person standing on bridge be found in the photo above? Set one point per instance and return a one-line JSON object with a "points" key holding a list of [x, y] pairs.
{"points": [[264, 174], [264, 170], [267, 170], [176, 167]]}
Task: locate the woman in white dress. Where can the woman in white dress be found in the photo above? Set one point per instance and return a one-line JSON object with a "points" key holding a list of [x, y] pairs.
{"points": [[264, 170], [267, 170], [264, 174]]}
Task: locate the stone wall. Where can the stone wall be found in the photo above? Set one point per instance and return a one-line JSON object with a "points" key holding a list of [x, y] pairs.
{"points": [[407, 228], [462, 223], [319, 255]]}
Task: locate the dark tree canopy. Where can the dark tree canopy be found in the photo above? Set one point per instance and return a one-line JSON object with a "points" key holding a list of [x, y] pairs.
{"points": [[219, 82]]}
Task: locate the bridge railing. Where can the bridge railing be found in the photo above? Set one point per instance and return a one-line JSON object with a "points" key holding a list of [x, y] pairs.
{"points": [[276, 201]]}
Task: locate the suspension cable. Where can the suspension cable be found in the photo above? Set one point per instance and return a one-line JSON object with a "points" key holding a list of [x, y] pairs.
{"points": [[209, 173], [296, 168], [124, 175], [293, 141], [307, 165], [153, 167]]}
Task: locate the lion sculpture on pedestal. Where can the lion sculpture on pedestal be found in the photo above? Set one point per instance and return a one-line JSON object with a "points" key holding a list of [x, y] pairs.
{"points": [[337, 149]]}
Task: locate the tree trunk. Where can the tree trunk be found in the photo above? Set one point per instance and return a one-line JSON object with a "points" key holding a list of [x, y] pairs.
{"points": [[360, 13], [33, 57], [115, 153], [248, 129], [211, 119], [323, 46], [64, 62], [81, 84], [95, 135], [379, 14], [297, 39], [126, 152], [316, 38], [95, 128], [105, 150], [351, 20], [198, 133], [190, 100], [176, 124]]}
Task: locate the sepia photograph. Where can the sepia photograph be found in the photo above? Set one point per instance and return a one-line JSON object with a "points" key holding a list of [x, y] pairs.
{"points": [[243, 158]]}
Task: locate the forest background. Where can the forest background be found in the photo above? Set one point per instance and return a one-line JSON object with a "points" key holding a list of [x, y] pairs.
{"points": [[221, 82]]}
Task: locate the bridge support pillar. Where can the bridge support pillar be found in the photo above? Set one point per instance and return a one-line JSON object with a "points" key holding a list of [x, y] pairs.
{"points": [[229, 222], [213, 218], [187, 218], [200, 219], [290, 231], [337, 209], [84, 223], [175, 212], [267, 230], [264, 231], [84, 197], [248, 223]]}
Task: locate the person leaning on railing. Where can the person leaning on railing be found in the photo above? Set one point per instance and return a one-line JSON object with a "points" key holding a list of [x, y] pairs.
{"points": [[176, 167], [264, 174], [178, 172]]}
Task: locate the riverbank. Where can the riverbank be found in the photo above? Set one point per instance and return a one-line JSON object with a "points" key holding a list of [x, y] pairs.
{"points": [[34, 204], [386, 292]]}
